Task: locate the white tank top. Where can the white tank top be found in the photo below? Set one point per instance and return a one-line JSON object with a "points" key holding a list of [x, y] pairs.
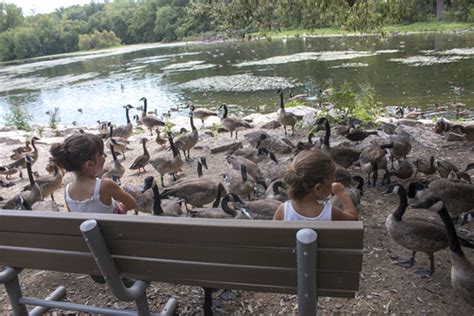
{"points": [[92, 204], [290, 214]]}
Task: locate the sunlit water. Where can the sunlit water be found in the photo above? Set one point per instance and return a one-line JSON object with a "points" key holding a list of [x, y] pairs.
{"points": [[415, 70]]}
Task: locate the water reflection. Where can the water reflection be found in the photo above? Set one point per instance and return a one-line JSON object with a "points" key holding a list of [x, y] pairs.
{"points": [[417, 70]]}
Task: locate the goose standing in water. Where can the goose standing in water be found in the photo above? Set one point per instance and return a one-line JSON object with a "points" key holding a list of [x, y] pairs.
{"points": [[286, 118], [462, 270], [232, 123]]}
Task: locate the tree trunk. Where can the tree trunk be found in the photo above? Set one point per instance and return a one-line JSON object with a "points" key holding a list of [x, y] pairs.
{"points": [[439, 10]]}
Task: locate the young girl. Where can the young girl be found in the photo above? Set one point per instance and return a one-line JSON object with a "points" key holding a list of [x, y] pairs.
{"points": [[84, 155], [310, 179]]}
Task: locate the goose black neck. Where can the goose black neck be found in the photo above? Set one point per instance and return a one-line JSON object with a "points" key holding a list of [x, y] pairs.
{"points": [[402, 206], [145, 105], [173, 148], [328, 132], [224, 115], [33, 144], [192, 122], [30, 174], [157, 210], [276, 187], [145, 151], [114, 156], [199, 169], [111, 130], [282, 103], [310, 138], [225, 206], [432, 162], [128, 116], [451, 232], [220, 189], [243, 172]]}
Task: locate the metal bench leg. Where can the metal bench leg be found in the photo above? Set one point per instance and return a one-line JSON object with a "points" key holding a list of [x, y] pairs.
{"points": [[94, 239], [56, 295], [306, 243], [9, 277]]}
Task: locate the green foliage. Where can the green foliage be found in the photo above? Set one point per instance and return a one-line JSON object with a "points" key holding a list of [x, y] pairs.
{"points": [[294, 103], [349, 103], [168, 126], [98, 40], [78, 27], [54, 118], [19, 118], [40, 130]]}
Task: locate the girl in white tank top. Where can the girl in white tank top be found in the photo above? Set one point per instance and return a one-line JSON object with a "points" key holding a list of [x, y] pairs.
{"points": [[310, 181]]}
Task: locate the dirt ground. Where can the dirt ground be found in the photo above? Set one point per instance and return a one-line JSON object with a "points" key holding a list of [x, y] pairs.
{"points": [[385, 288]]}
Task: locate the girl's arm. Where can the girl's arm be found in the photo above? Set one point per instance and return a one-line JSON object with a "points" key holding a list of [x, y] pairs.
{"points": [[118, 194], [279, 213], [348, 212]]}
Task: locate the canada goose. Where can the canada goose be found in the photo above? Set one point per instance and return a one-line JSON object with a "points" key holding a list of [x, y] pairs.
{"points": [[8, 171], [25, 199], [22, 162], [187, 141], [197, 192], [250, 166], [225, 211], [258, 209], [425, 167], [343, 156], [148, 120], [457, 196], [238, 182], [125, 131], [201, 113], [115, 169], [276, 190], [163, 208], [404, 171], [20, 151], [254, 154], [4, 183], [168, 165], [415, 234], [444, 167], [50, 183], [398, 148], [462, 270], [308, 145], [160, 140], [297, 97], [119, 143], [142, 160], [286, 118], [371, 159], [357, 135], [231, 123], [103, 128]]}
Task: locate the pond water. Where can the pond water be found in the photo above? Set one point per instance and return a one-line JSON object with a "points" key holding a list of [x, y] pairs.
{"points": [[410, 70]]}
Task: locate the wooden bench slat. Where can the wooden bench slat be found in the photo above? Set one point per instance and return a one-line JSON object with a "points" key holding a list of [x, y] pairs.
{"points": [[344, 260], [171, 271], [335, 234]]}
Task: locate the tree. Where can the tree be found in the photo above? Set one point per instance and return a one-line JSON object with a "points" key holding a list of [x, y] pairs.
{"points": [[11, 16]]}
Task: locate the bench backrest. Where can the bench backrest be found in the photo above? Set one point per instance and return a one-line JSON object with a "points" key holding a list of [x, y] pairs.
{"points": [[237, 254]]}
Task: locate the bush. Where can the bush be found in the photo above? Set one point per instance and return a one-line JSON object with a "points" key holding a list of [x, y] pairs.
{"points": [[19, 118], [98, 40], [349, 103]]}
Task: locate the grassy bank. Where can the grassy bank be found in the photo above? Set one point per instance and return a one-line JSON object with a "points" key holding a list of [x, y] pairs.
{"points": [[411, 28]]}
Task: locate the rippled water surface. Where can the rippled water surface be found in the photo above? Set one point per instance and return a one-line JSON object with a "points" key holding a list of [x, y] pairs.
{"points": [[417, 70]]}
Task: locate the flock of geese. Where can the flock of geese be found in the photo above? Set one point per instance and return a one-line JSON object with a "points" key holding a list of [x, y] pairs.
{"points": [[252, 187]]}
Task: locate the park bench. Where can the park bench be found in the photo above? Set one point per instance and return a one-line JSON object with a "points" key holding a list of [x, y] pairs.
{"points": [[249, 255]]}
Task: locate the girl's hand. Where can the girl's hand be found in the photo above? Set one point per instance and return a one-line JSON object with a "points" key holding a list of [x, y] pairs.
{"points": [[337, 188]]}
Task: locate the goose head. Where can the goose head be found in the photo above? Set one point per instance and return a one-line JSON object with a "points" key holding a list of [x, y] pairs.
{"points": [[432, 203], [148, 183]]}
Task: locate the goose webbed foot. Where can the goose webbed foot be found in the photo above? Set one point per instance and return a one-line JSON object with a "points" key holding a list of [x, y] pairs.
{"points": [[424, 272], [406, 263]]}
